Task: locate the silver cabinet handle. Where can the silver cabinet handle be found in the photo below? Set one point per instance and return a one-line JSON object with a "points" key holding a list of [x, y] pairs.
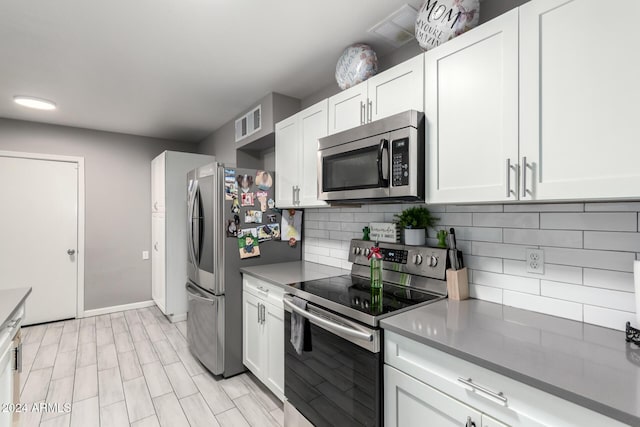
{"points": [[369, 110], [155, 205], [362, 112], [155, 246], [470, 423], [525, 165], [497, 397], [511, 167], [293, 194], [327, 323], [264, 310], [297, 195], [17, 358], [71, 251]]}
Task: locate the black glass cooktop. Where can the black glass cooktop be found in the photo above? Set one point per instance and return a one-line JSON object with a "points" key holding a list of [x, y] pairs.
{"points": [[356, 293]]}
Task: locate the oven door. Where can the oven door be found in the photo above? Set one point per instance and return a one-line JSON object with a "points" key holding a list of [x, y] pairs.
{"points": [[339, 382], [355, 170]]}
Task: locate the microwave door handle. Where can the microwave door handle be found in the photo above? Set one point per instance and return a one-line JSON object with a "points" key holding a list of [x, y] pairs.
{"points": [[384, 145]]}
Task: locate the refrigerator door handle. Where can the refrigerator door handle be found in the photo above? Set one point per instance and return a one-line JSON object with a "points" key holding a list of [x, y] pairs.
{"points": [[190, 209], [197, 296]]}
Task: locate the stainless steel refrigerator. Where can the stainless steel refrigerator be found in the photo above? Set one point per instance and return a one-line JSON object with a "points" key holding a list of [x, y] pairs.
{"points": [[222, 203]]}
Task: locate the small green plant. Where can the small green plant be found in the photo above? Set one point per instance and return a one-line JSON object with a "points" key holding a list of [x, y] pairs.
{"points": [[415, 217]]}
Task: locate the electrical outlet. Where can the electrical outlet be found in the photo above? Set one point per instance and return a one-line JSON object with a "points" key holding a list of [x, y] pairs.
{"points": [[145, 254], [535, 261]]}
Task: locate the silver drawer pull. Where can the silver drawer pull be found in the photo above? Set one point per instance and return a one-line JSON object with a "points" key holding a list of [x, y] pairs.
{"points": [[499, 397]]}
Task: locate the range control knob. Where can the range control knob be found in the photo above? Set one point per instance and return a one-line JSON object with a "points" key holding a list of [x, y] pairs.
{"points": [[417, 259], [433, 261], [357, 251], [367, 251]]}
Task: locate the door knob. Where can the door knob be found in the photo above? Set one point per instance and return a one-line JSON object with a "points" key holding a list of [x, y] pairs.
{"points": [[71, 251]]}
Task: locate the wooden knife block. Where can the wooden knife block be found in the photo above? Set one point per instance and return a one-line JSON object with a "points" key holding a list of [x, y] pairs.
{"points": [[458, 284]]}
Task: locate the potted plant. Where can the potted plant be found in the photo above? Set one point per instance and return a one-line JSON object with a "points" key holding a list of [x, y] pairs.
{"points": [[415, 221]]}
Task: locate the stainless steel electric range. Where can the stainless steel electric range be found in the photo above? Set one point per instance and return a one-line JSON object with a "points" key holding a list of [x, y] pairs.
{"points": [[339, 381]]}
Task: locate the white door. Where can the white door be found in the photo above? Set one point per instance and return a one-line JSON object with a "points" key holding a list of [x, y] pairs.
{"points": [[274, 321], [348, 108], [411, 403], [579, 97], [252, 334], [158, 261], [313, 126], [471, 111], [287, 161], [39, 229], [398, 89]]}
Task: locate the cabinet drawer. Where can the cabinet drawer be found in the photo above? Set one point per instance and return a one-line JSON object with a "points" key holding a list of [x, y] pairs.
{"points": [[523, 405], [264, 290]]}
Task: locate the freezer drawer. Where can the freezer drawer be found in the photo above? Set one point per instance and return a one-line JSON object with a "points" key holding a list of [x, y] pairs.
{"points": [[205, 327]]}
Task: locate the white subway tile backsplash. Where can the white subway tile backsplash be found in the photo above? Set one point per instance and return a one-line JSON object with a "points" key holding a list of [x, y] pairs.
{"points": [[498, 250], [504, 281], [561, 238], [486, 293], [612, 241], [483, 263], [513, 220], [558, 273], [589, 250], [627, 221], [616, 280], [474, 208], [607, 317], [541, 304], [554, 207], [588, 295], [621, 261]]}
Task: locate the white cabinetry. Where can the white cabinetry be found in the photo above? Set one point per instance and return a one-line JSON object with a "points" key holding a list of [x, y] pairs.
{"points": [[431, 384], [297, 157], [393, 91], [263, 332], [10, 350], [471, 110], [579, 97], [169, 230]]}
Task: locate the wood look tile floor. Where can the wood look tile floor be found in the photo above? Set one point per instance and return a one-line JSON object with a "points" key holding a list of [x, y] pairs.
{"points": [[132, 368]]}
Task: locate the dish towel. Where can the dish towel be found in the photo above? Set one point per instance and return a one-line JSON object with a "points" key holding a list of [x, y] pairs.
{"points": [[300, 328]]}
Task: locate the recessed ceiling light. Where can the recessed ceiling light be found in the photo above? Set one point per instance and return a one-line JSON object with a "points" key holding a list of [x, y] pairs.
{"points": [[37, 103]]}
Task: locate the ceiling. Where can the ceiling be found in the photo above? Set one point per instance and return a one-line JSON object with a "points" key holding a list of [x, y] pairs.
{"points": [[176, 69]]}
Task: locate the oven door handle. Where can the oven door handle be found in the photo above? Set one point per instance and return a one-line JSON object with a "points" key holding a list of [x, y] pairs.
{"points": [[384, 145], [329, 324]]}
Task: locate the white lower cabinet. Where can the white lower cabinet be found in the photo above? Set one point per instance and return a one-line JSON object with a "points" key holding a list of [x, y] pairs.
{"points": [[263, 333], [426, 386]]}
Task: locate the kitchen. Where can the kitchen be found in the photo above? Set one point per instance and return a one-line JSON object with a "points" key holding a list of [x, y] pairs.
{"points": [[537, 178]]}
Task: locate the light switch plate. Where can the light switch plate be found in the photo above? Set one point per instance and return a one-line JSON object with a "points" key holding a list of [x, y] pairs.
{"points": [[535, 261], [145, 254]]}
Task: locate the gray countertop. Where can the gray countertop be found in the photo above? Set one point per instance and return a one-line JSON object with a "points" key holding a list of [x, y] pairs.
{"points": [[586, 364], [285, 273], [10, 300]]}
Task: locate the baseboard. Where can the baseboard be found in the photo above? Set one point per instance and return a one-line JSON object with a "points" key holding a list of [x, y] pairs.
{"points": [[116, 308], [177, 317]]}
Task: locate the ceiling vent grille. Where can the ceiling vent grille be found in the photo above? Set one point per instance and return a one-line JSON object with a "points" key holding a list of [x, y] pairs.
{"points": [[397, 28]]}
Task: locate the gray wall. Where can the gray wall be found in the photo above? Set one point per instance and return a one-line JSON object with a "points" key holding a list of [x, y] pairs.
{"points": [[118, 200]]}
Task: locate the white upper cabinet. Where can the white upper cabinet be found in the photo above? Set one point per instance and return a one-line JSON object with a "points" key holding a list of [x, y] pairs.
{"points": [[397, 89], [471, 111], [287, 158], [297, 157], [157, 183], [579, 96], [392, 91]]}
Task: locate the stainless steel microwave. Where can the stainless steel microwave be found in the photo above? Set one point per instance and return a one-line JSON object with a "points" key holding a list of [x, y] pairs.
{"points": [[380, 161]]}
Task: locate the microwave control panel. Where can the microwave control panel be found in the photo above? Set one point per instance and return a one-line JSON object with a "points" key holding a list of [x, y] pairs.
{"points": [[400, 162]]}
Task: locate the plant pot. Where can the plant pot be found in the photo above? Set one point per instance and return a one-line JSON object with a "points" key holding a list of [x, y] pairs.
{"points": [[414, 236]]}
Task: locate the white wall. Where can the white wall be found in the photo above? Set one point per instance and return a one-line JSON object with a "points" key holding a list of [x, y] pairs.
{"points": [[118, 202], [589, 249]]}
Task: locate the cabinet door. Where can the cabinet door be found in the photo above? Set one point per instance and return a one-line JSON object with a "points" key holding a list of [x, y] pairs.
{"points": [[313, 126], [347, 109], [471, 109], [579, 97], [411, 403], [398, 89], [252, 335], [157, 183], [274, 337], [287, 161], [158, 259], [6, 383]]}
